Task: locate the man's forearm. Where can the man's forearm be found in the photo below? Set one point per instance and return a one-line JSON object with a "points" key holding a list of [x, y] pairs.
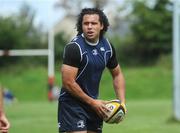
{"points": [[119, 86], [118, 83], [75, 90]]}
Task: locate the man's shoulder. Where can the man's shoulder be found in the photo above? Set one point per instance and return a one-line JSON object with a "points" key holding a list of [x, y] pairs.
{"points": [[71, 46], [77, 38]]}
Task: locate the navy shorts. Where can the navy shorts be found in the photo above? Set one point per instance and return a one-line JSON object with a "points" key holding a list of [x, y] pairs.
{"points": [[76, 116]]}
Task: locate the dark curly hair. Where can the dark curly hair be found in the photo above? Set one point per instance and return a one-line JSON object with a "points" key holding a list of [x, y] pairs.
{"points": [[102, 18]]}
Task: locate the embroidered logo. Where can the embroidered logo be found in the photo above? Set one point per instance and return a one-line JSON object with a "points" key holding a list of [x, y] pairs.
{"points": [[94, 52], [102, 49], [80, 124], [59, 124]]}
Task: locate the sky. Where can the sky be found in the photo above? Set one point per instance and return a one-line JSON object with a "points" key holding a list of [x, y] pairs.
{"points": [[46, 14]]}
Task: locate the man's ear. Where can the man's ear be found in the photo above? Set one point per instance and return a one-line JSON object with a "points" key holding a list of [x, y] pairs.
{"points": [[102, 26]]}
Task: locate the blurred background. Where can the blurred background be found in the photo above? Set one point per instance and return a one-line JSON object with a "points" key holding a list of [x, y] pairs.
{"points": [[141, 32]]}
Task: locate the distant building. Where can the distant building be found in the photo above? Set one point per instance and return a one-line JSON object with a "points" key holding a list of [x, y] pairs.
{"points": [[118, 25], [67, 26]]}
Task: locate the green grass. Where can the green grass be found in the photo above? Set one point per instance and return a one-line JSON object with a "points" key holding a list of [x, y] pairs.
{"points": [[141, 83], [32, 117], [148, 92], [144, 116], [27, 83], [147, 116], [30, 83]]}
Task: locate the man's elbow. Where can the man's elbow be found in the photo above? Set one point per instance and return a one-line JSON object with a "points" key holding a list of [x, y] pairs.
{"points": [[67, 83]]}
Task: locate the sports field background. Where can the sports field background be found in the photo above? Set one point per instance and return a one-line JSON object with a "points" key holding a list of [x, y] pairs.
{"points": [[149, 100], [144, 116], [149, 89]]}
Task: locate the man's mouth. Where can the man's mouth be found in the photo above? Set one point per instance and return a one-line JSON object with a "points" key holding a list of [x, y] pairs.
{"points": [[90, 33]]}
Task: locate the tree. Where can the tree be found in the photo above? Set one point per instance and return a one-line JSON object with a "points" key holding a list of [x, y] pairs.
{"points": [[75, 5], [19, 32], [60, 42], [100, 3], [151, 29], [30, 36], [7, 33]]}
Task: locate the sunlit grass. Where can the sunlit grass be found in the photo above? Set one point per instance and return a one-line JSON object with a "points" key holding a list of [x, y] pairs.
{"points": [[144, 116]]}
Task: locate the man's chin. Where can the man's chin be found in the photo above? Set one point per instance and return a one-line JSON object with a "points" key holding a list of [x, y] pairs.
{"points": [[90, 38]]}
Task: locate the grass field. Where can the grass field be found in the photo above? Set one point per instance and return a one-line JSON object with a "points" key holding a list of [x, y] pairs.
{"points": [[144, 116], [31, 84], [148, 92]]}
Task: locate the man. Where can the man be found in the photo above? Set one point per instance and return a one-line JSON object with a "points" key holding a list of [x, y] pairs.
{"points": [[84, 60], [4, 123]]}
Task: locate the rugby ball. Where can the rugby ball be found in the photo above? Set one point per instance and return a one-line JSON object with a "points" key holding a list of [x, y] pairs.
{"points": [[116, 112]]}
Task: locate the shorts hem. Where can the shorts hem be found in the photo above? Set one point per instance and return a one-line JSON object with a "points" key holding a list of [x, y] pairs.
{"points": [[63, 131]]}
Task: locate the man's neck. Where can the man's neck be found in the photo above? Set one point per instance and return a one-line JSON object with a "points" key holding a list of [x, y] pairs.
{"points": [[90, 43]]}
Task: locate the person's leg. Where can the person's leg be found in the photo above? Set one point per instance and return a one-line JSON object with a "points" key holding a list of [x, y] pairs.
{"points": [[71, 118], [94, 122]]}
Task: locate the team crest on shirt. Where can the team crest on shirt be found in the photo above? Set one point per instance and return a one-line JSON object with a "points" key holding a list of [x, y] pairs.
{"points": [[80, 124], [94, 52], [102, 49]]}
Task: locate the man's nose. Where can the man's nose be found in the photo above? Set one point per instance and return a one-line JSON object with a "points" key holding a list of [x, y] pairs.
{"points": [[89, 25]]}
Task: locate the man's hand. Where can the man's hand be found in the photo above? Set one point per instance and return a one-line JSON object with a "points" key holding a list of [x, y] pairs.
{"points": [[100, 108], [4, 124]]}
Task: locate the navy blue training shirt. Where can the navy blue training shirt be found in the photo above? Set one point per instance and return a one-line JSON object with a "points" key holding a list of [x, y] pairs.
{"points": [[90, 61]]}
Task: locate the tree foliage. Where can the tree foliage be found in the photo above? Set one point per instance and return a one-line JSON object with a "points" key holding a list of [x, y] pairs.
{"points": [[60, 42], [18, 31], [151, 31], [75, 5]]}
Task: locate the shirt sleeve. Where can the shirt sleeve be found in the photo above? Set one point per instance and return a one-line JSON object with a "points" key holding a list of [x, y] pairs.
{"points": [[112, 62], [72, 55]]}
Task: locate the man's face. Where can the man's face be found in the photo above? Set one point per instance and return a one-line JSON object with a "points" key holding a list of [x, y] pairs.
{"points": [[91, 27]]}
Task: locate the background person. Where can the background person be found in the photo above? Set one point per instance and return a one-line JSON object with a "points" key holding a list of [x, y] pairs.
{"points": [[4, 123]]}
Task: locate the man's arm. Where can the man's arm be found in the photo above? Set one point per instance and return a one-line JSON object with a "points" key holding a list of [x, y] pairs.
{"points": [[118, 83], [69, 83], [69, 74], [4, 123]]}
